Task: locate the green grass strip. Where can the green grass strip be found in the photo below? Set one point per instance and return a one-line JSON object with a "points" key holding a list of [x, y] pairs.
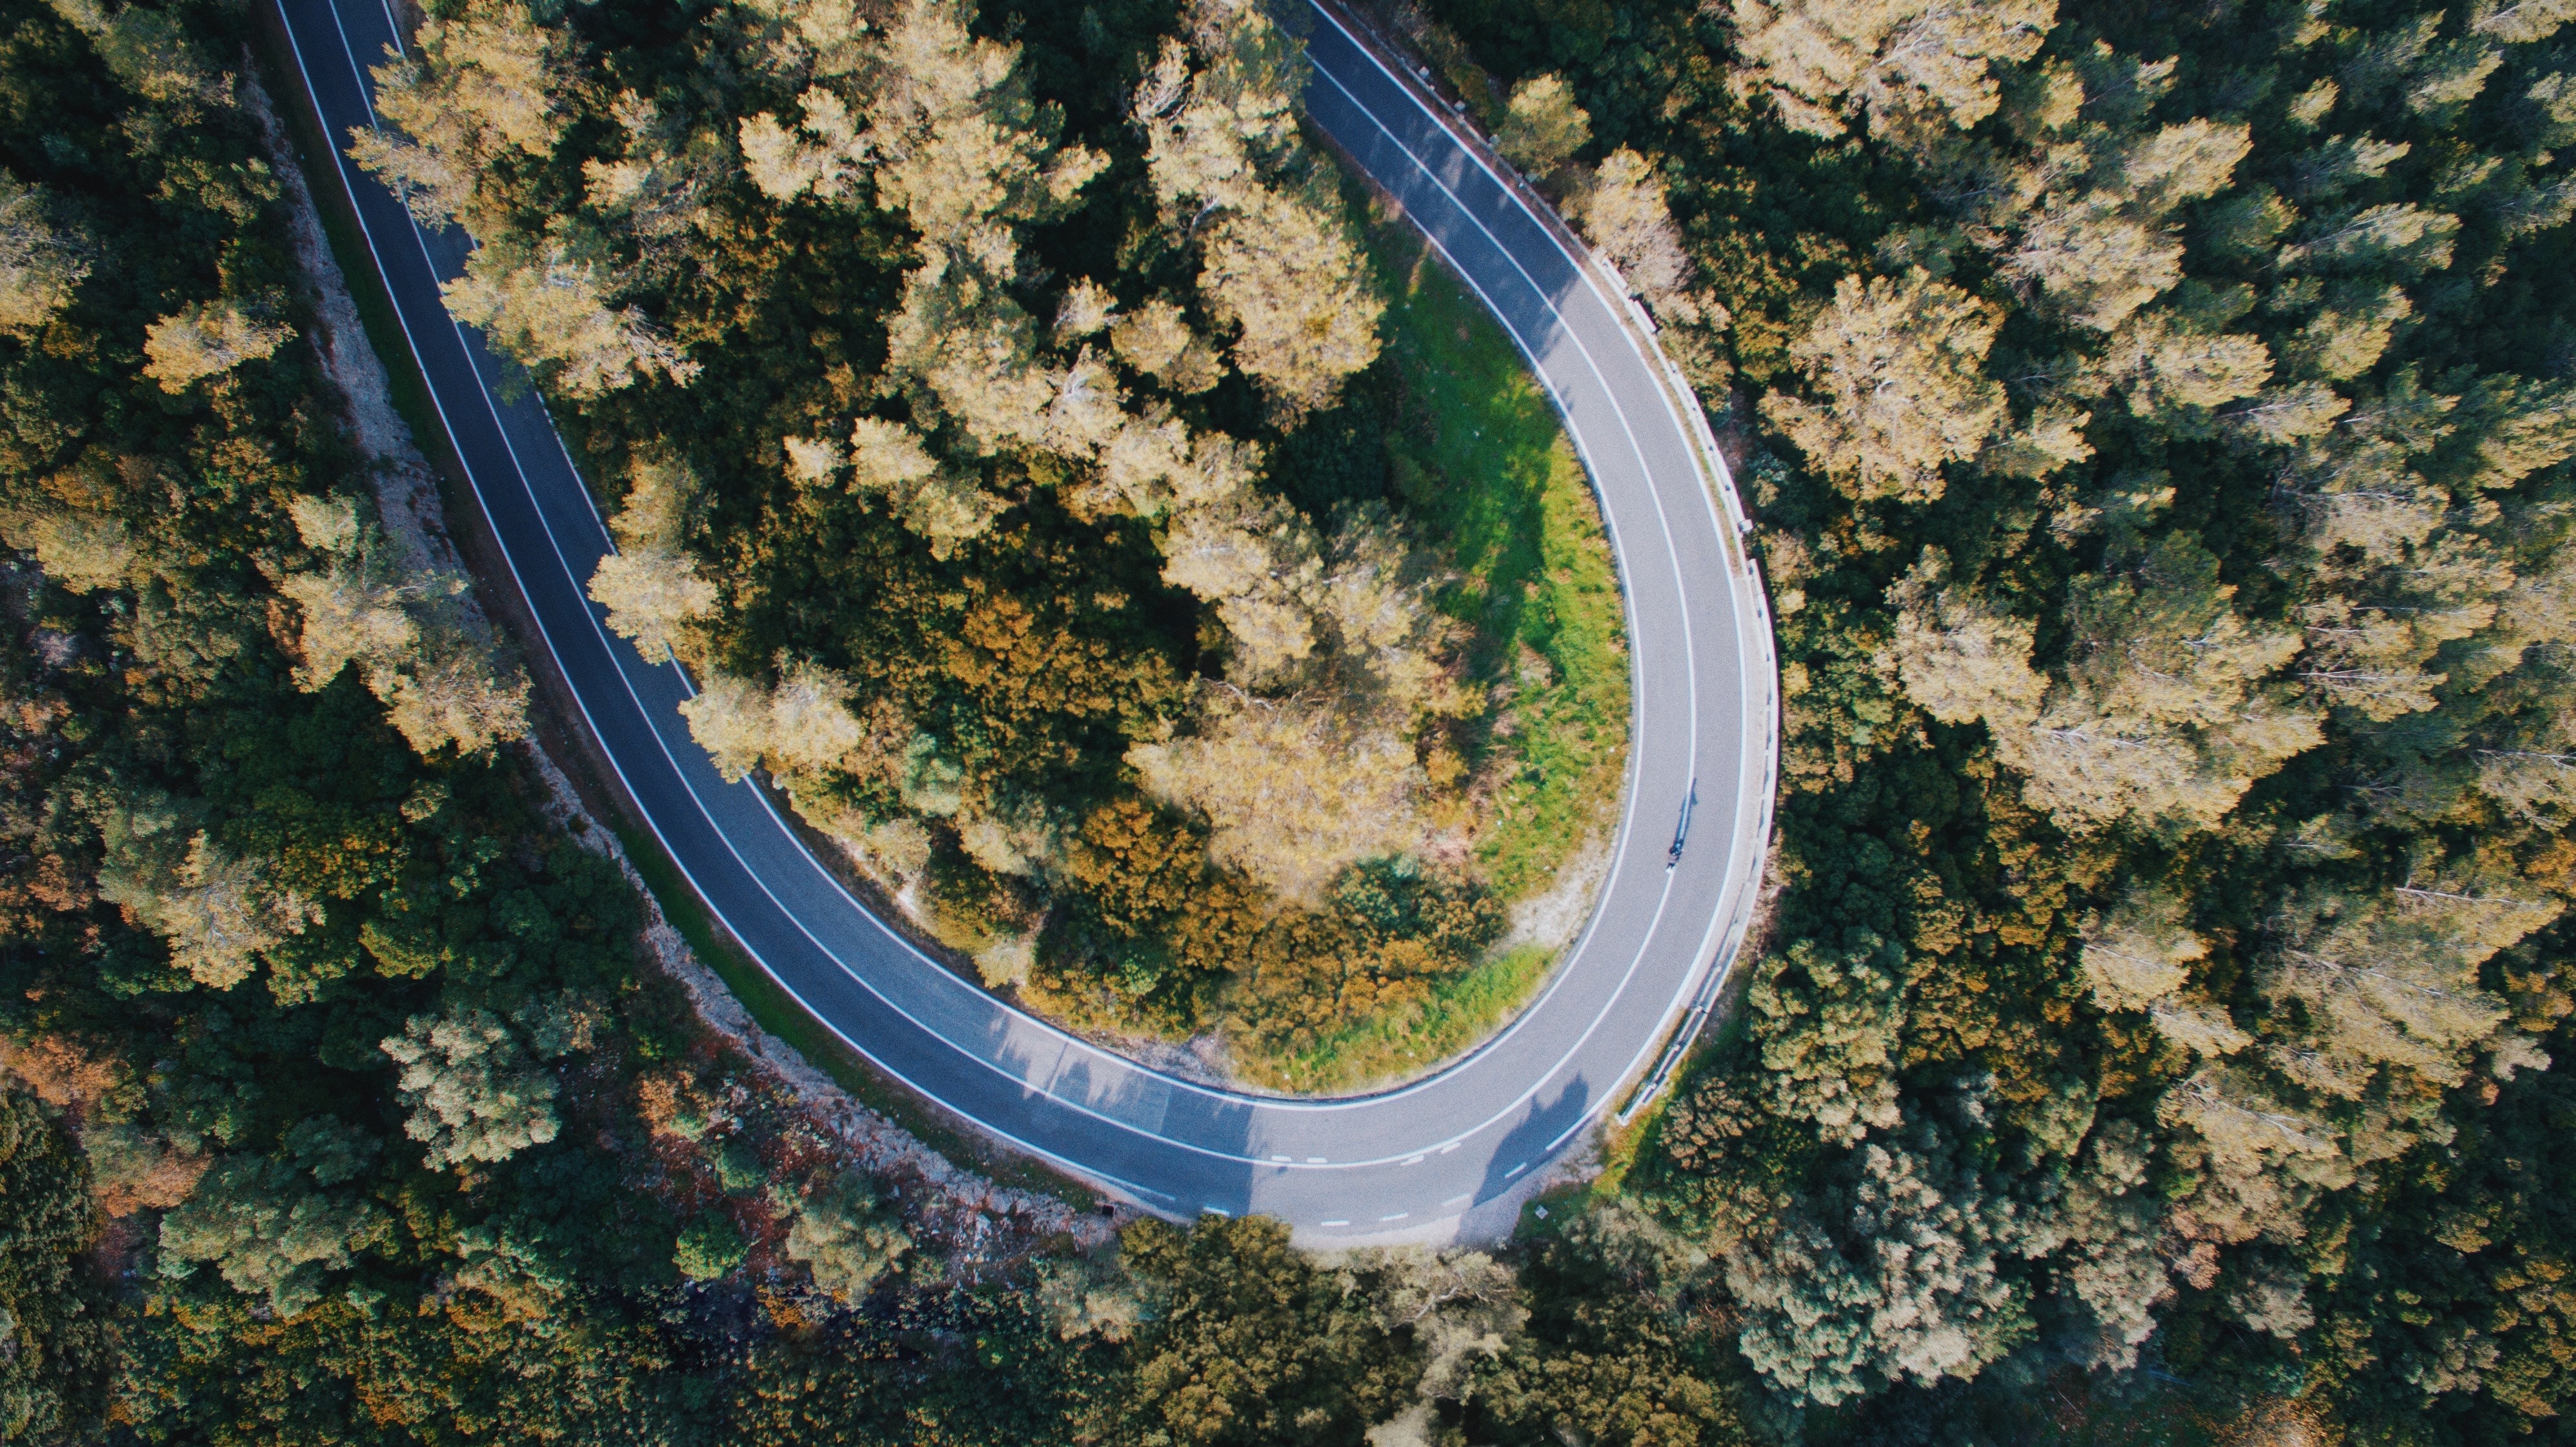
{"points": [[1462, 1010], [1493, 481]]}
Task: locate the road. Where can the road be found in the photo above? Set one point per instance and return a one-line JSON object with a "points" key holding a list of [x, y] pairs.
{"points": [[1406, 1162]]}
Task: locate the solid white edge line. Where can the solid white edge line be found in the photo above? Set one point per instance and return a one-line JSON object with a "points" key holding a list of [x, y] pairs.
{"points": [[645, 713], [1022, 1082], [1719, 920], [413, 342], [1700, 442]]}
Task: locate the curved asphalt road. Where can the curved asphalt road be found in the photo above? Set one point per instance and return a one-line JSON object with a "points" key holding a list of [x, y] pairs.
{"points": [[1395, 1163]]}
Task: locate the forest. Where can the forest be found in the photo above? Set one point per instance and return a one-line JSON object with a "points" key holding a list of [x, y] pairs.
{"points": [[1030, 483], [1134, 556]]}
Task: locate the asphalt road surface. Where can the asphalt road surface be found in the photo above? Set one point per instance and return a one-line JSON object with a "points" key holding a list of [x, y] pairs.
{"points": [[1396, 1163]]}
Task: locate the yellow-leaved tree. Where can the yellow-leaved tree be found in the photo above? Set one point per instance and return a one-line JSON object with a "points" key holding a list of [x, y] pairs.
{"points": [[1900, 366], [650, 585], [1624, 210], [1905, 68], [486, 85], [2166, 714], [41, 259], [1295, 793], [551, 311], [205, 339], [478, 83], [1280, 262], [436, 674]]}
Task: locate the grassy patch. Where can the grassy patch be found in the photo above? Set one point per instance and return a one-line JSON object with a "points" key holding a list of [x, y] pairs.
{"points": [[1462, 1010], [1495, 482], [1487, 475]]}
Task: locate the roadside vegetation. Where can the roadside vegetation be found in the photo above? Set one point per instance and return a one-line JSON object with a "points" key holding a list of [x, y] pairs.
{"points": [[1495, 480], [2158, 421], [338, 1082], [1008, 434], [1475, 457]]}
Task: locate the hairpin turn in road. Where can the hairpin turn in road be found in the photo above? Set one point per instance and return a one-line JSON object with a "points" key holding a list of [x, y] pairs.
{"points": [[1398, 1162]]}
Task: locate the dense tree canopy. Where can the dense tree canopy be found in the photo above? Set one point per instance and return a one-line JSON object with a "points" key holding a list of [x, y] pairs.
{"points": [[2158, 422], [1017, 536]]}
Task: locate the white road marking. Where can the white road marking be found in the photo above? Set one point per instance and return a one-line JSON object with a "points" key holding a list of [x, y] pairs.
{"points": [[790, 913]]}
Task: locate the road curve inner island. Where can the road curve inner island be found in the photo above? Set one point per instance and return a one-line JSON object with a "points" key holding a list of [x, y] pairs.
{"points": [[1398, 1162]]}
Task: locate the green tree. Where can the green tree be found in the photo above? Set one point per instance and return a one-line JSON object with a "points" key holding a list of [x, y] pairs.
{"points": [[1543, 127], [1251, 1342], [54, 1372], [1828, 1025], [472, 1092], [263, 1226], [1899, 1270], [710, 1248], [844, 1236], [1605, 1350]]}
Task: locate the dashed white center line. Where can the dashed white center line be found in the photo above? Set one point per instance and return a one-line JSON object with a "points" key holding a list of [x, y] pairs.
{"points": [[1459, 1200], [1332, 1223], [1398, 1216], [1453, 1145], [1314, 1160], [1516, 1170], [1413, 1160], [1281, 1159]]}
